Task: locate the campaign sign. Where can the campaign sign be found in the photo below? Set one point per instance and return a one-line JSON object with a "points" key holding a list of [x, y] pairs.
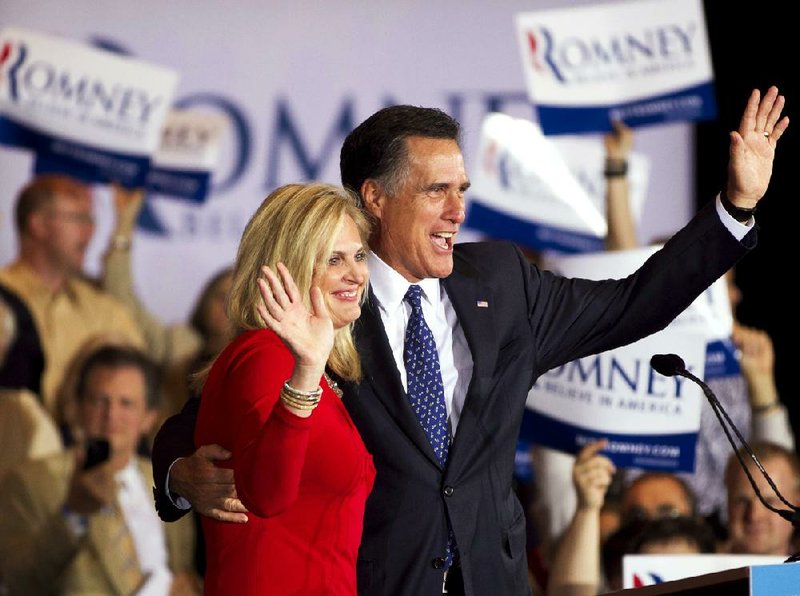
{"points": [[615, 394], [644, 62], [523, 190], [87, 112], [585, 157], [651, 421], [649, 570], [187, 156]]}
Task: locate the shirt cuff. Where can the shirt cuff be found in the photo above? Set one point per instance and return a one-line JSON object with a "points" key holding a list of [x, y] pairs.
{"points": [[178, 501], [737, 228]]}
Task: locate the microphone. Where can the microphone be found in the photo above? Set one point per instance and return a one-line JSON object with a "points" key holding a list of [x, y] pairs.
{"points": [[667, 364], [670, 365]]}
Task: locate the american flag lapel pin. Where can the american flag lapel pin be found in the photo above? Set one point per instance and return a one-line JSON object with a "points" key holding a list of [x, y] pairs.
{"points": [[483, 304]]}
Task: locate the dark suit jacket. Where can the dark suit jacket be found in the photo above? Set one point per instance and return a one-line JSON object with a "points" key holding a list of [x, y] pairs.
{"points": [[534, 321]]}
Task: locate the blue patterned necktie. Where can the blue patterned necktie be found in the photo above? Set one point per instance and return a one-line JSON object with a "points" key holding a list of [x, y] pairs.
{"points": [[424, 377], [425, 388]]}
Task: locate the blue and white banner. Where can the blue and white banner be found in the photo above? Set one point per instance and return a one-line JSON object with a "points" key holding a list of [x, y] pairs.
{"points": [[642, 62], [522, 190], [650, 570], [189, 152], [289, 101], [651, 421], [585, 156], [610, 394], [87, 112], [546, 193]]}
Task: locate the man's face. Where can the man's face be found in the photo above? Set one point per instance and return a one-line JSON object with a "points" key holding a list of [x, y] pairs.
{"points": [[753, 528], [68, 229], [114, 407], [655, 497], [417, 228]]}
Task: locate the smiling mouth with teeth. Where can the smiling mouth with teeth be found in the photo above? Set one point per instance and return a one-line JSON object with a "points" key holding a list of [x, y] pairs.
{"points": [[443, 240], [347, 294]]}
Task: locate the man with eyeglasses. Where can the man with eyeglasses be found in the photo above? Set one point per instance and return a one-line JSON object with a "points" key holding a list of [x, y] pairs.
{"points": [[55, 223]]}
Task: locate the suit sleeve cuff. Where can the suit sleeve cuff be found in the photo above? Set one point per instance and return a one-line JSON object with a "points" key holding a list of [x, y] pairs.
{"points": [[178, 501], [738, 229]]}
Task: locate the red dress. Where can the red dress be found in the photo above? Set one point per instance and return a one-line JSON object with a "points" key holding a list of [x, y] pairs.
{"points": [[304, 480]]}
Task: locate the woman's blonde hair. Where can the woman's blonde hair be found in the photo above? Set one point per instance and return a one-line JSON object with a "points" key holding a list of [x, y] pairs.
{"points": [[297, 224]]}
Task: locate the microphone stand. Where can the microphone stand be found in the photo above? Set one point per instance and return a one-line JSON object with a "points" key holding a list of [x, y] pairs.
{"points": [[676, 366]]}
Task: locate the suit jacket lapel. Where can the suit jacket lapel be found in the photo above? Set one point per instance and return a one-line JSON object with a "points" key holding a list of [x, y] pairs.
{"points": [[383, 378], [473, 303]]}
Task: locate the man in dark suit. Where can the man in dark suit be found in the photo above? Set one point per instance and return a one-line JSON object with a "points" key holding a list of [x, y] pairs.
{"points": [[497, 323]]}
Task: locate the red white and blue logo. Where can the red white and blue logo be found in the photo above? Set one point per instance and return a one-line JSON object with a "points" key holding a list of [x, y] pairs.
{"points": [[12, 56], [654, 578]]}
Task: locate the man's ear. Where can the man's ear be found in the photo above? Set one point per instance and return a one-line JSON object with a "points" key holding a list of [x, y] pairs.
{"points": [[373, 196], [37, 224], [149, 420]]}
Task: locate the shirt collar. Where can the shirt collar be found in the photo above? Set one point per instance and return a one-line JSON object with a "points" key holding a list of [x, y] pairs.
{"points": [[127, 475], [389, 287], [29, 277]]}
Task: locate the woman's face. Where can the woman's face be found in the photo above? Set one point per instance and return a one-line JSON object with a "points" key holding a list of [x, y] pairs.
{"points": [[343, 277]]}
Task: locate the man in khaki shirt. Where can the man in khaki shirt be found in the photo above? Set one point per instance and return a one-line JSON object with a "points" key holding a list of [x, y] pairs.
{"points": [[55, 223], [73, 524]]}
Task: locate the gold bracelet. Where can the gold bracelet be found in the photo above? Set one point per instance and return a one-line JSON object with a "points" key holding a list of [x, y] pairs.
{"points": [[313, 394], [298, 404], [300, 399]]}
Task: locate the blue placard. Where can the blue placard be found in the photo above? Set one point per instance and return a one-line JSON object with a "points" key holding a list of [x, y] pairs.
{"points": [[775, 580], [535, 235], [670, 452], [191, 185], [692, 104], [721, 360]]}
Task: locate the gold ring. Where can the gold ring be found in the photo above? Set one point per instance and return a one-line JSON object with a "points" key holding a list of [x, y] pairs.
{"points": [[766, 134]]}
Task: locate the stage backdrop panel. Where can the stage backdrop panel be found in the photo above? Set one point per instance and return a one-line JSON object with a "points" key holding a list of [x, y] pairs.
{"points": [[291, 80]]}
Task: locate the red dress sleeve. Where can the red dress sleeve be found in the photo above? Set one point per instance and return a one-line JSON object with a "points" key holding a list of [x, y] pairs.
{"points": [[268, 442]]}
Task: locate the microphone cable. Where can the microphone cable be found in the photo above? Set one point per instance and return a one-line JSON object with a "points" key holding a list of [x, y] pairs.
{"points": [[670, 365]]}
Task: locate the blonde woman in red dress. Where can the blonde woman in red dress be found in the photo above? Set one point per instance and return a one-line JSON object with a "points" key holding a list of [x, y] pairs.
{"points": [[300, 466]]}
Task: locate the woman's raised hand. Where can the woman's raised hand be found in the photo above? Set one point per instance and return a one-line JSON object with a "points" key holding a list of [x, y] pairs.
{"points": [[307, 333]]}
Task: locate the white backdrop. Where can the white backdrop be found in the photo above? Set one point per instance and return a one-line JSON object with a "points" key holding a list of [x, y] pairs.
{"points": [[297, 76]]}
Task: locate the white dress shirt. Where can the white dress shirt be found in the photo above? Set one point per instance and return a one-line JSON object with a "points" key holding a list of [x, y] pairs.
{"points": [[455, 359], [136, 503]]}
